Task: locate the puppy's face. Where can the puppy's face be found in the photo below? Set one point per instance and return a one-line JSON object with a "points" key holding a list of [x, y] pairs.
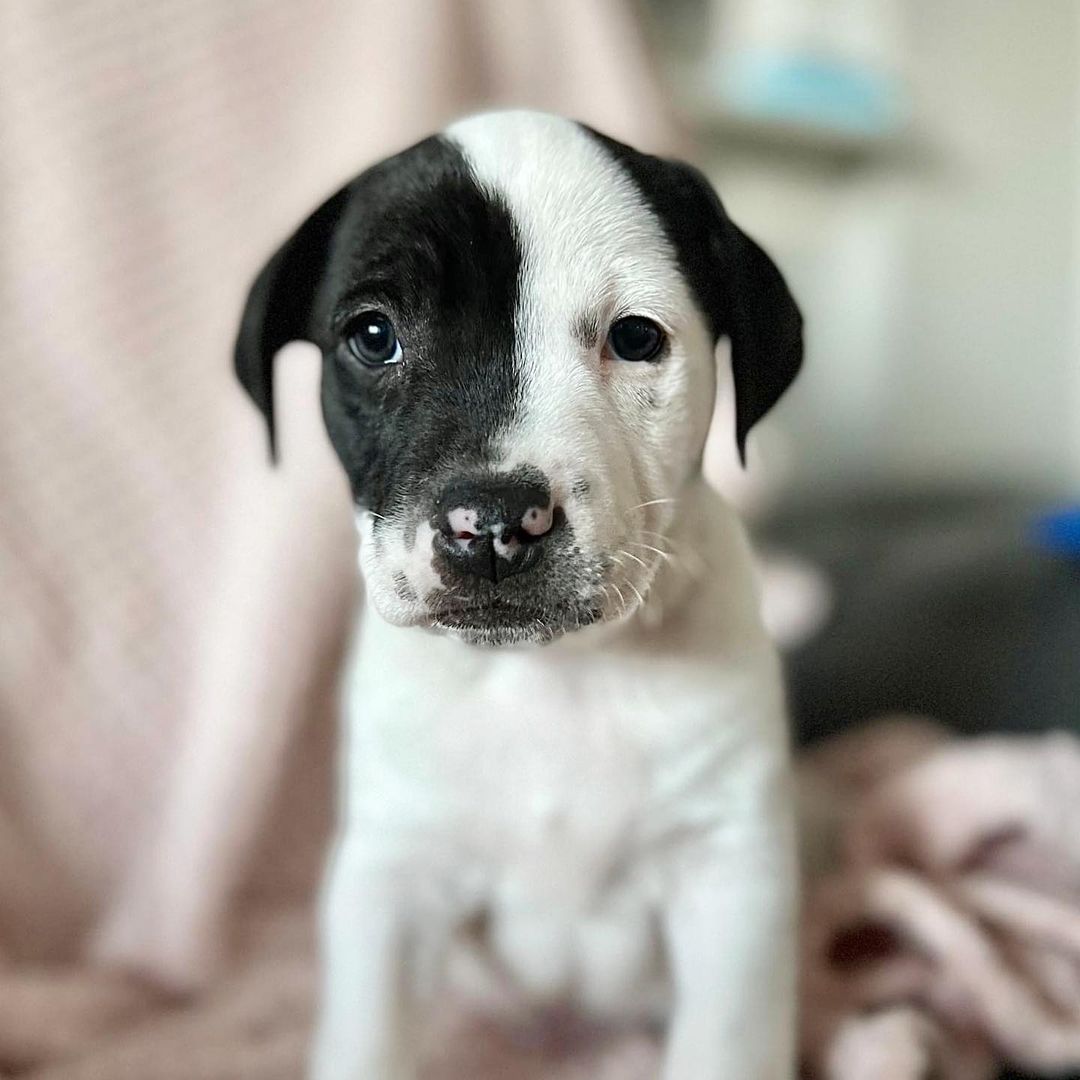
{"points": [[519, 320]]}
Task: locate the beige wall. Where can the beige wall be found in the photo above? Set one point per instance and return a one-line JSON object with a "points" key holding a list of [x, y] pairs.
{"points": [[941, 284]]}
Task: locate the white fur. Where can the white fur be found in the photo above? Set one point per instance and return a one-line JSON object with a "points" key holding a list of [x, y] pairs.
{"points": [[616, 803]]}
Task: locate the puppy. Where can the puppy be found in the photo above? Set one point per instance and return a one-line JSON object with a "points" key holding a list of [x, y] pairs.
{"points": [[566, 725]]}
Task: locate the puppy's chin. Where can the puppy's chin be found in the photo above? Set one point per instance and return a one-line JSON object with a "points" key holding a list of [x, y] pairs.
{"points": [[490, 625], [496, 637], [498, 625]]}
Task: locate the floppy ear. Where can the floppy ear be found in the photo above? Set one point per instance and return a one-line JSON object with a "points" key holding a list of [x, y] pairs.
{"points": [[737, 285], [278, 307], [746, 297]]}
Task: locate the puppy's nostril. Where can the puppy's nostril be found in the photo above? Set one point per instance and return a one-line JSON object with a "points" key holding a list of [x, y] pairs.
{"points": [[461, 523], [537, 520]]}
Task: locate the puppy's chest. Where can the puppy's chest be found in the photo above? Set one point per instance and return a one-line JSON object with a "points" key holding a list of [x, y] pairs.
{"points": [[550, 777], [501, 758]]}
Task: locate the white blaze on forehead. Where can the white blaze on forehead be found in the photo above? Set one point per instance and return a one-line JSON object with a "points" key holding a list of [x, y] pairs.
{"points": [[588, 234], [592, 251]]}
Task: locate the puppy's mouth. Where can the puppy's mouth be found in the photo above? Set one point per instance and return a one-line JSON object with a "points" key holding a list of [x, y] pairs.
{"points": [[498, 622]]}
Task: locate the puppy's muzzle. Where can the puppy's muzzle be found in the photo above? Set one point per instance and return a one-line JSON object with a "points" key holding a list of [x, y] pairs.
{"points": [[495, 527]]}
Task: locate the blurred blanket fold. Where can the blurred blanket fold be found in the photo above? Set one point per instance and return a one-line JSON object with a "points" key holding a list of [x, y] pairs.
{"points": [[941, 934], [941, 937]]}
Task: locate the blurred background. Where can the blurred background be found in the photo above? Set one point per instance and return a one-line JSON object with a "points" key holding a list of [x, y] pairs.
{"points": [[173, 613]]}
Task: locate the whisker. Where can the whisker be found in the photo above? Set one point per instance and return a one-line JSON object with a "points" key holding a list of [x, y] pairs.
{"points": [[662, 537], [622, 598], [681, 555], [631, 555], [651, 502], [667, 556], [641, 599]]}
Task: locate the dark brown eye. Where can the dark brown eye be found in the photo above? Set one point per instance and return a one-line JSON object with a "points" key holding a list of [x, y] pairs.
{"points": [[635, 338], [371, 338]]}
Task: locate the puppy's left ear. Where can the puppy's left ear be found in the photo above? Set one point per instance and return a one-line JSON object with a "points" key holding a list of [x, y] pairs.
{"points": [[742, 292], [279, 305]]}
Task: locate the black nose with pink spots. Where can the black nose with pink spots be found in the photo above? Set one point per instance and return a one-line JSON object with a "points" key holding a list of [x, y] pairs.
{"points": [[494, 527]]}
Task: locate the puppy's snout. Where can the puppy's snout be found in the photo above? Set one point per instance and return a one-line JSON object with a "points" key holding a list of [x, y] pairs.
{"points": [[494, 527]]}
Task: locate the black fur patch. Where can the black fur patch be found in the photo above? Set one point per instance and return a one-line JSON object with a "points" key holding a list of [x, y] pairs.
{"points": [[420, 240]]}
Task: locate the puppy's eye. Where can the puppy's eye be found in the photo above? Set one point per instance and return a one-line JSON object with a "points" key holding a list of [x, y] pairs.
{"points": [[635, 338], [371, 338]]}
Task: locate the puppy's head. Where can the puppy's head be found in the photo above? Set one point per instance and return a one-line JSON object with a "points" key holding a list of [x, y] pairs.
{"points": [[519, 319]]}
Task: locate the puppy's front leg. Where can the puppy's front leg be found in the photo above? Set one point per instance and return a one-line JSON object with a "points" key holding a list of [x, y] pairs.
{"points": [[731, 935], [384, 933]]}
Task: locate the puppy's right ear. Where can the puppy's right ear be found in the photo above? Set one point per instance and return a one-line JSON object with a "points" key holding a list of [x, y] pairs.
{"points": [[279, 306]]}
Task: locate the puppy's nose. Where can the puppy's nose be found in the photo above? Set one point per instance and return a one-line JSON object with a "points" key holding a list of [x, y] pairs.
{"points": [[492, 527]]}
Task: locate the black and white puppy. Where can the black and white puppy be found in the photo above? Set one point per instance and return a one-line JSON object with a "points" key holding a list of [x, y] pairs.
{"points": [[519, 319]]}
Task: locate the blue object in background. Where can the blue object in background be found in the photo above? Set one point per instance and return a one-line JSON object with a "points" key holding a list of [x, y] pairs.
{"points": [[1059, 532], [815, 90]]}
